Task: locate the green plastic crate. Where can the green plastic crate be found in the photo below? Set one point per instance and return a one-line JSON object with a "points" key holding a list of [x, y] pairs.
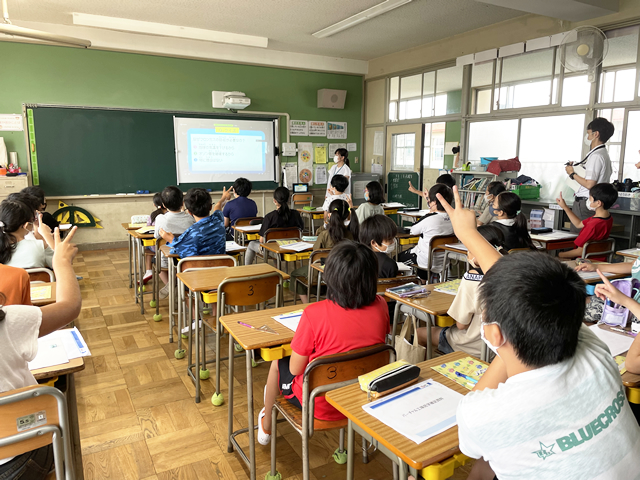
{"points": [[527, 192]]}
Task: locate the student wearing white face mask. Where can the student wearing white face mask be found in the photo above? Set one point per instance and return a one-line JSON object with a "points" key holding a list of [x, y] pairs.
{"points": [[493, 190], [341, 158], [379, 233], [374, 197], [597, 165]]}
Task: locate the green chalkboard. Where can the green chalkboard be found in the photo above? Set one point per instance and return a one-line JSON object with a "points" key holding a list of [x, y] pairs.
{"points": [[398, 185], [84, 151]]}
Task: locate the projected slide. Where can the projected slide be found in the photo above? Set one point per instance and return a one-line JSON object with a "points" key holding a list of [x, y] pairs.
{"points": [[221, 150]]}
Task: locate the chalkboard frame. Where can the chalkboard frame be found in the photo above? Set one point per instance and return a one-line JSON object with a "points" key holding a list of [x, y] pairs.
{"points": [[55, 182]]}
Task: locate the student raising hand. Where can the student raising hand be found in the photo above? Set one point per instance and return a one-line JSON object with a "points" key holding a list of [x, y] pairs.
{"points": [[463, 221]]}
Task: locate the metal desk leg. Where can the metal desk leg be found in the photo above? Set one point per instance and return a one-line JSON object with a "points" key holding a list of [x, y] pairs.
{"points": [[430, 321], [402, 467], [319, 285], [230, 400], [72, 410], [251, 431], [138, 290], [130, 262], [350, 447], [172, 297], [396, 314], [141, 265], [231, 354], [193, 299]]}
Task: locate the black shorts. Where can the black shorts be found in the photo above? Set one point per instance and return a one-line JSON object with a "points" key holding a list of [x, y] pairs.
{"points": [[285, 382]]}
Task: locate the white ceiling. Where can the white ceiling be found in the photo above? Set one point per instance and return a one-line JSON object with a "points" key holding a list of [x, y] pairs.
{"points": [[289, 23]]}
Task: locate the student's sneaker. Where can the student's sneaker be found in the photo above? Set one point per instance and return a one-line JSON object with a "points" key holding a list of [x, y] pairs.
{"points": [[148, 275], [264, 437], [164, 292]]}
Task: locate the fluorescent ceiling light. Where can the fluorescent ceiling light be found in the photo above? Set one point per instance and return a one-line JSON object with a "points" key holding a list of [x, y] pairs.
{"points": [[165, 30], [363, 16]]}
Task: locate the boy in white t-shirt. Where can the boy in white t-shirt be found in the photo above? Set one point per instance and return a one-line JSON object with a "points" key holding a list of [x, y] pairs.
{"points": [[552, 404], [336, 191], [432, 224]]}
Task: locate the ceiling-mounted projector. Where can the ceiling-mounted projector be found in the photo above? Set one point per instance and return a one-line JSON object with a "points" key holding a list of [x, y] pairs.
{"points": [[230, 100]]}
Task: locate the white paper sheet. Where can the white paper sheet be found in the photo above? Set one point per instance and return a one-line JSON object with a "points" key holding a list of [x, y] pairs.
{"points": [[592, 275], [74, 343], [617, 342], [418, 412], [249, 228], [458, 246], [297, 247], [51, 352], [233, 247], [289, 320], [393, 205], [403, 267], [321, 174], [555, 235], [378, 143]]}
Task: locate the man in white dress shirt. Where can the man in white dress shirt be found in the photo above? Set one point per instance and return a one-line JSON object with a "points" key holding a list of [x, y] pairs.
{"points": [[597, 165]]}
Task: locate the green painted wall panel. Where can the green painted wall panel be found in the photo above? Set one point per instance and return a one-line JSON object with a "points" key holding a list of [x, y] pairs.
{"points": [[72, 76]]}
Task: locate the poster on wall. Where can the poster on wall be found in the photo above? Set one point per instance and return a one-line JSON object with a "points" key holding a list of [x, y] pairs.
{"points": [[305, 162], [378, 143], [337, 130], [317, 129], [299, 128], [289, 174], [11, 122], [352, 147], [334, 146], [321, 174], [320, 153]]}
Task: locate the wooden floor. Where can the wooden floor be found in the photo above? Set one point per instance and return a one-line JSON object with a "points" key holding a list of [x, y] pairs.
{"points": [[138, 418]]}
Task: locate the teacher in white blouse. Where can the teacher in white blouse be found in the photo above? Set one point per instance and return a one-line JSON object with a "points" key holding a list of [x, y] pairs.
{"points": [[597, 165], [341, 167]]}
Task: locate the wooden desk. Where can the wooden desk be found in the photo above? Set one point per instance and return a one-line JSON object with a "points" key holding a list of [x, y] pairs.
{"points": [[248, 232], [556, 240], [349, 401], [199, 281], [630, 255], [282, 253], [45, 301], [252, 339], [437, 303], [68, 369], [317, 214]]}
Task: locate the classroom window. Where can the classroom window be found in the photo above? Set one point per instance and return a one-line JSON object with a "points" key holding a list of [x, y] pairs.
{"points": [[575, 90], [428, 93], [617, 85], [493, 139], [433, 145], [481, 85], [546, 144], [394, 85], [526, 80], [403, 151], [448, 90], [614, 145], [410, 93], [631, 156]]}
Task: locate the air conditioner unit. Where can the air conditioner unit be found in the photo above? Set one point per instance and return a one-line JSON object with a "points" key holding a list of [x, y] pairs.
{"points": [[230, 100]]}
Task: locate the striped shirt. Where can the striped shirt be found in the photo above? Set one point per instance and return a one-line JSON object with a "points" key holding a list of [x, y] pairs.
{"points": [[570, 421]]}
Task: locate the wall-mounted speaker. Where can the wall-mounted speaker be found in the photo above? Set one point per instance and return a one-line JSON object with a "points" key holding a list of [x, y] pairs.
{"points": [[328, 98]]}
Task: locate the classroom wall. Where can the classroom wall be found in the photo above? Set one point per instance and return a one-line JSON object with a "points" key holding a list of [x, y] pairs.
{"points": [[494, 36], [73, 76]]}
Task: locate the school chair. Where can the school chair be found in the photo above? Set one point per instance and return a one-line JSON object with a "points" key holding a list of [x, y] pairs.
{"points": [[185, 265], [324, 374], [299, 200], [435, 246], [41, 275], [33, 417], [237, 292], [244, 222], [600, 248], [307, 282], [275, 234]]}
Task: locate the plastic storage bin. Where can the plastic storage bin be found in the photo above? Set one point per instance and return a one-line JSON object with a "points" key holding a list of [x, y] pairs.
{"points": [[527, 192], [487, 160]]}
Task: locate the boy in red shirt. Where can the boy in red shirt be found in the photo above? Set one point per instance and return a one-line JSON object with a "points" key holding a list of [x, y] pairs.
{"points": [[601, 197], [351, 317]]}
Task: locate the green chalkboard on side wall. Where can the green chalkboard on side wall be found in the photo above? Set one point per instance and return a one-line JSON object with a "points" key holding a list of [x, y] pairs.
{"points": [[84, 151], [398, 188]]}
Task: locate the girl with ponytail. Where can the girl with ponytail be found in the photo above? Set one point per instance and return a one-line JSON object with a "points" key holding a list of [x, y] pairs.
{"points": [[18, 247], [281, 217], [511, 221], [335, 232]]}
